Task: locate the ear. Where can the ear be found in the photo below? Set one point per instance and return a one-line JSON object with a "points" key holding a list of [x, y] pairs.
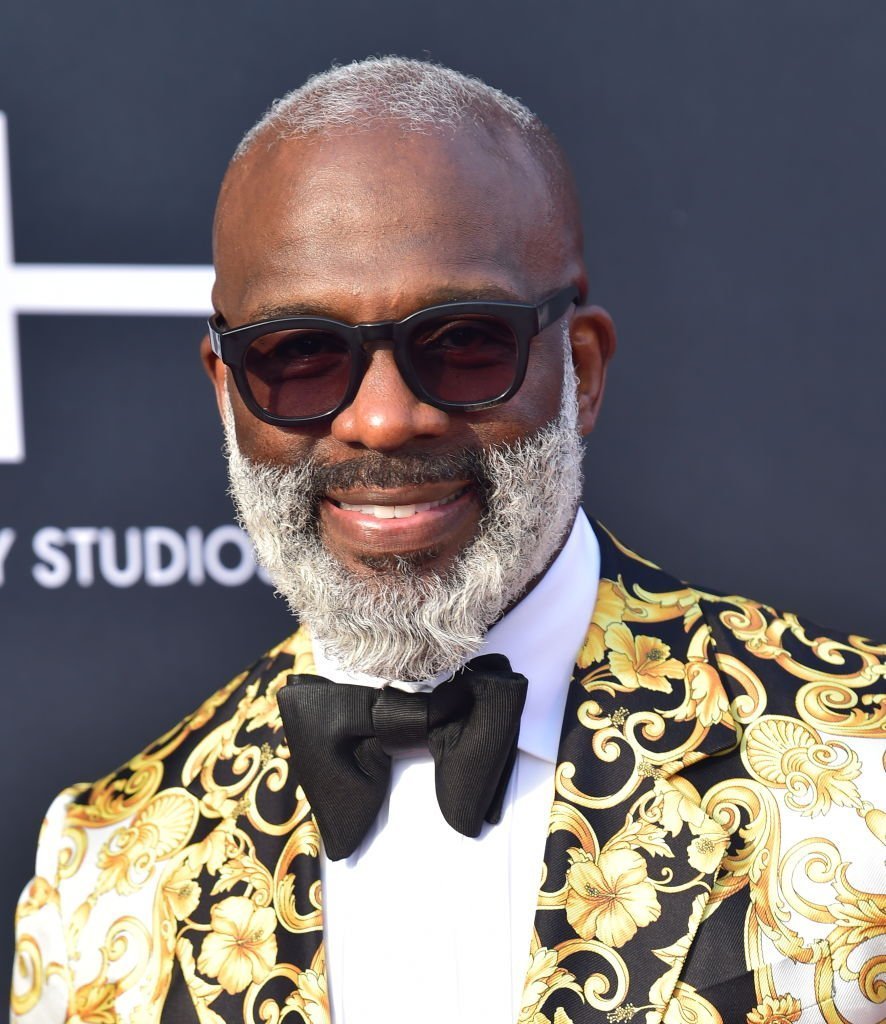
{"points": [[592, 334], [216, 371]]}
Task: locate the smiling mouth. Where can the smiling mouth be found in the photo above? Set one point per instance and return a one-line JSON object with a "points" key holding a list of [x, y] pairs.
{"points": [[400, 511]]}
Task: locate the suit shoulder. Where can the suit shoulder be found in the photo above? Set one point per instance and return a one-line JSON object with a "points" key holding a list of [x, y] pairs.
{"points": [[770, 662], [767, 632], [834, 678], [247, 702], [118, 859]]}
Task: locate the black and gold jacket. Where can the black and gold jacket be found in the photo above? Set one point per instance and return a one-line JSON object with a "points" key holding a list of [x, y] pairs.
{"points": [[715, 849]]}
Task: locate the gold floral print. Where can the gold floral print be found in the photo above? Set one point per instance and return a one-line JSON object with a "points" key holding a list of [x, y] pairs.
{"points": [[706, 850], [688, 1006], [678, 1001], [203, 851], [544, 977], [675, 804], [642, 660], [788, 754], [28, 975], [181, 891], [241, 947], [94, 1004], [609, 609], [706, 699], [244, 867], [311, 997], [859, 917], [784, 1009], [611, 897], [161, 829], [38, 894]]}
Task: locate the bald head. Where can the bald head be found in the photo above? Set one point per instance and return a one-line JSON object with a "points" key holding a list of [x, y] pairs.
{"points": [[420, 96], [419, 132]]}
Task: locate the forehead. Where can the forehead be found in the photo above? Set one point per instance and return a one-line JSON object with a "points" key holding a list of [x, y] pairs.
{"points": [[366, 226]]}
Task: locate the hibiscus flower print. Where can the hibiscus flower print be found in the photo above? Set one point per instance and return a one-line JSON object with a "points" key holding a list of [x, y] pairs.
{"points": [[241, 947], [611, 897], [641, 661]]}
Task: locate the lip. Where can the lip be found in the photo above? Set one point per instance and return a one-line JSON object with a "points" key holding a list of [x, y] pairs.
{"points": [[429, 529], [412, 495]]}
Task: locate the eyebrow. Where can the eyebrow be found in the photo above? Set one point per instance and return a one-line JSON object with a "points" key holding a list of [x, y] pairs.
{"points": [[481, 293]]}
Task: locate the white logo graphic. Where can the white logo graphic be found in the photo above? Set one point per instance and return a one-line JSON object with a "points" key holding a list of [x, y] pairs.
{"points": [[70, 289]]}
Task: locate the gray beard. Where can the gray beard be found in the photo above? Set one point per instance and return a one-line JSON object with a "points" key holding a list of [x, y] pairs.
{"points": [[396, 621]]}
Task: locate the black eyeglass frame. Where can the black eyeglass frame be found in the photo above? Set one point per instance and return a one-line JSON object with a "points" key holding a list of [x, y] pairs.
{"points": [[525, 321]]}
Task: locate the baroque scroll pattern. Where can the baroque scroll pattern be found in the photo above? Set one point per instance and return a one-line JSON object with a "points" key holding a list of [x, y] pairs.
{"points": [[806, 830], [757, 831], [192, 860], [197, 853]]}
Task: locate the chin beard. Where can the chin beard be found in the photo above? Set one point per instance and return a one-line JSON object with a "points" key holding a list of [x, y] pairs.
{"points": [[397, 621]]}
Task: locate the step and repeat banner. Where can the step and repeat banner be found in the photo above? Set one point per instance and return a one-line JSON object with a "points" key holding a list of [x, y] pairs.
{"points": [[731, 157]]}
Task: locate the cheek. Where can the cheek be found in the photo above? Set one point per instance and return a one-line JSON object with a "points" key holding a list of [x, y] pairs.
{"points": [[272, 446]]}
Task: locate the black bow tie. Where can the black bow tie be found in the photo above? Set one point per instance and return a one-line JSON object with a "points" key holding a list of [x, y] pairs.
{"points": [[341, 738]]}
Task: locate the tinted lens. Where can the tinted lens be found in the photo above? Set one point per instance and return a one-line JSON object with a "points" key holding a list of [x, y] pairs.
{"points": [[298, 373], [465, 360]]}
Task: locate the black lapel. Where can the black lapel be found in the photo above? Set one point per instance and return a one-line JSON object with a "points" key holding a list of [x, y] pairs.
{"points": [[241, 904], [178, 1007], [631, 856]]}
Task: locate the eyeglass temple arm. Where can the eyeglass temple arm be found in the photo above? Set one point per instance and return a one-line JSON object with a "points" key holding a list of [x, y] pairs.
{"points": [[214, 338], [556, 306]]}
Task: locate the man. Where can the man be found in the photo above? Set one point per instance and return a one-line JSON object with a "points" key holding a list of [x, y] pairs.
{"points": [[485, 690]]}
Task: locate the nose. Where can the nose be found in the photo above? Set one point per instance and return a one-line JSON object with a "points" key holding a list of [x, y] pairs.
{"points": [[385, 415]]}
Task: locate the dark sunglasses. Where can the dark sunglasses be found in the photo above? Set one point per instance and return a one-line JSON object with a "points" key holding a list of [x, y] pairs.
{"points": [[459, 355]]}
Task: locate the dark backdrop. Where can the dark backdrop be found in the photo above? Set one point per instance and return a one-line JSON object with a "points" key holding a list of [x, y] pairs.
{"points": [[731, 156]]}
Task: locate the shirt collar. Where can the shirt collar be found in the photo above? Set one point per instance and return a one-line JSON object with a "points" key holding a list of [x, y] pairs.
{"points": [[541, 637]]}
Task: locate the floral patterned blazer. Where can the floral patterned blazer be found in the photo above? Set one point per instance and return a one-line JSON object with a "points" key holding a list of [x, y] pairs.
{"points": [[715, 849]]}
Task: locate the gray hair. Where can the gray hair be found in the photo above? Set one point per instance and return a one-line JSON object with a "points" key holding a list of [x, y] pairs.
{"points": [[417, 95]]}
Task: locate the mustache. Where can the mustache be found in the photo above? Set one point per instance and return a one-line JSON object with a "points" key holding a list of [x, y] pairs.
{"points": [[375, 470]]}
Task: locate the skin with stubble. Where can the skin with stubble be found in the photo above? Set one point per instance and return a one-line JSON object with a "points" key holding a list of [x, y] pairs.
{"points": [[372, 225]]}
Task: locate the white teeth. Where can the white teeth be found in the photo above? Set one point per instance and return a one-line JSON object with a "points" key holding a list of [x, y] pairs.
{"points": [[400, 511]]}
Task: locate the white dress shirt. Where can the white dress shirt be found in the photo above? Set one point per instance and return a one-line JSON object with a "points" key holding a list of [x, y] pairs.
{"points": [[421, 922]]}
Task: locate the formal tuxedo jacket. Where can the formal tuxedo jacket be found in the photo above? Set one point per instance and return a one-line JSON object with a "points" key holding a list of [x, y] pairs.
{"points": [[715, 848]]}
